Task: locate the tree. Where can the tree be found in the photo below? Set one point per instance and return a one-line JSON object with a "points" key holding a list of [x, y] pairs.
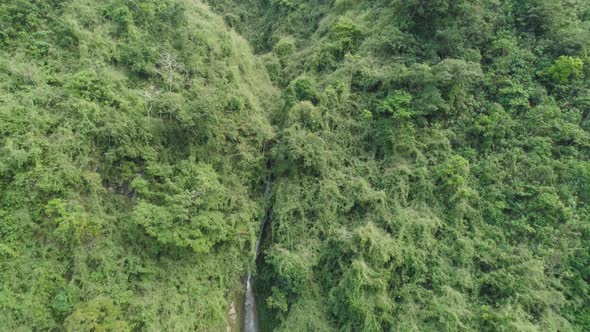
{"points": [[187, 210], [565, 68], [99, 314], [171, 71]]}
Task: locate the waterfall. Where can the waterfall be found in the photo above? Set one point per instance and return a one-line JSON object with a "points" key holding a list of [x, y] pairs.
{"points": [[250, 312]]}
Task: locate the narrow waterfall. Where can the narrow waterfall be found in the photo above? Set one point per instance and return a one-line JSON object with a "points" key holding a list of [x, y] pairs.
{"points": [[250, 312]]}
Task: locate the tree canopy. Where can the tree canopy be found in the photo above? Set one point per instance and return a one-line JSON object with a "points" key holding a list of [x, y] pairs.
{"points": [[428, 164]]}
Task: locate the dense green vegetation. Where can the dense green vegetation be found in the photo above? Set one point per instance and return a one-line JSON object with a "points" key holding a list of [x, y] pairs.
{"points": [[430, 164], [131, 165]]}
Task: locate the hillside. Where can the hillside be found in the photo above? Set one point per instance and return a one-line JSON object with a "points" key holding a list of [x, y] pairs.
{"points": [[132, 141], [431, 164], [428, 164]]}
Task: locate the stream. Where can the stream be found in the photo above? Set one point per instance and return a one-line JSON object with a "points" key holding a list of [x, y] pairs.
{"points": [[250, 312]]}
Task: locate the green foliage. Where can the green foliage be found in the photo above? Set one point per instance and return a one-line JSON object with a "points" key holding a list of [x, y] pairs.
{"points": [[292, 269], [284, 48], [301, 149], [306, 115], [278, 300], [397, 105], [564, 68], [62, 305], [131, 153], [187, 210], [429, 160], [347, 35], [360, 297], [424, 159], [72, 222], [99, 314], [302, 89]]}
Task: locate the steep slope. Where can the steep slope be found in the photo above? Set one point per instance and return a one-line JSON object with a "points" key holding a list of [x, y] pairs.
{"points": [[132, 139], [432, 164]]}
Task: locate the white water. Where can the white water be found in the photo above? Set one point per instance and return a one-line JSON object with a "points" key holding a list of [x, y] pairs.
{"points": [[250, 312]]}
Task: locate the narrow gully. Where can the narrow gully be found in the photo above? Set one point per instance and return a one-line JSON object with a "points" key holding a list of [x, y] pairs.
{"points": [[251, 323]]}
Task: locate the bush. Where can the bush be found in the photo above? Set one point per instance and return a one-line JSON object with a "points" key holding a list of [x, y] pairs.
{"points": [[565, 68]]}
